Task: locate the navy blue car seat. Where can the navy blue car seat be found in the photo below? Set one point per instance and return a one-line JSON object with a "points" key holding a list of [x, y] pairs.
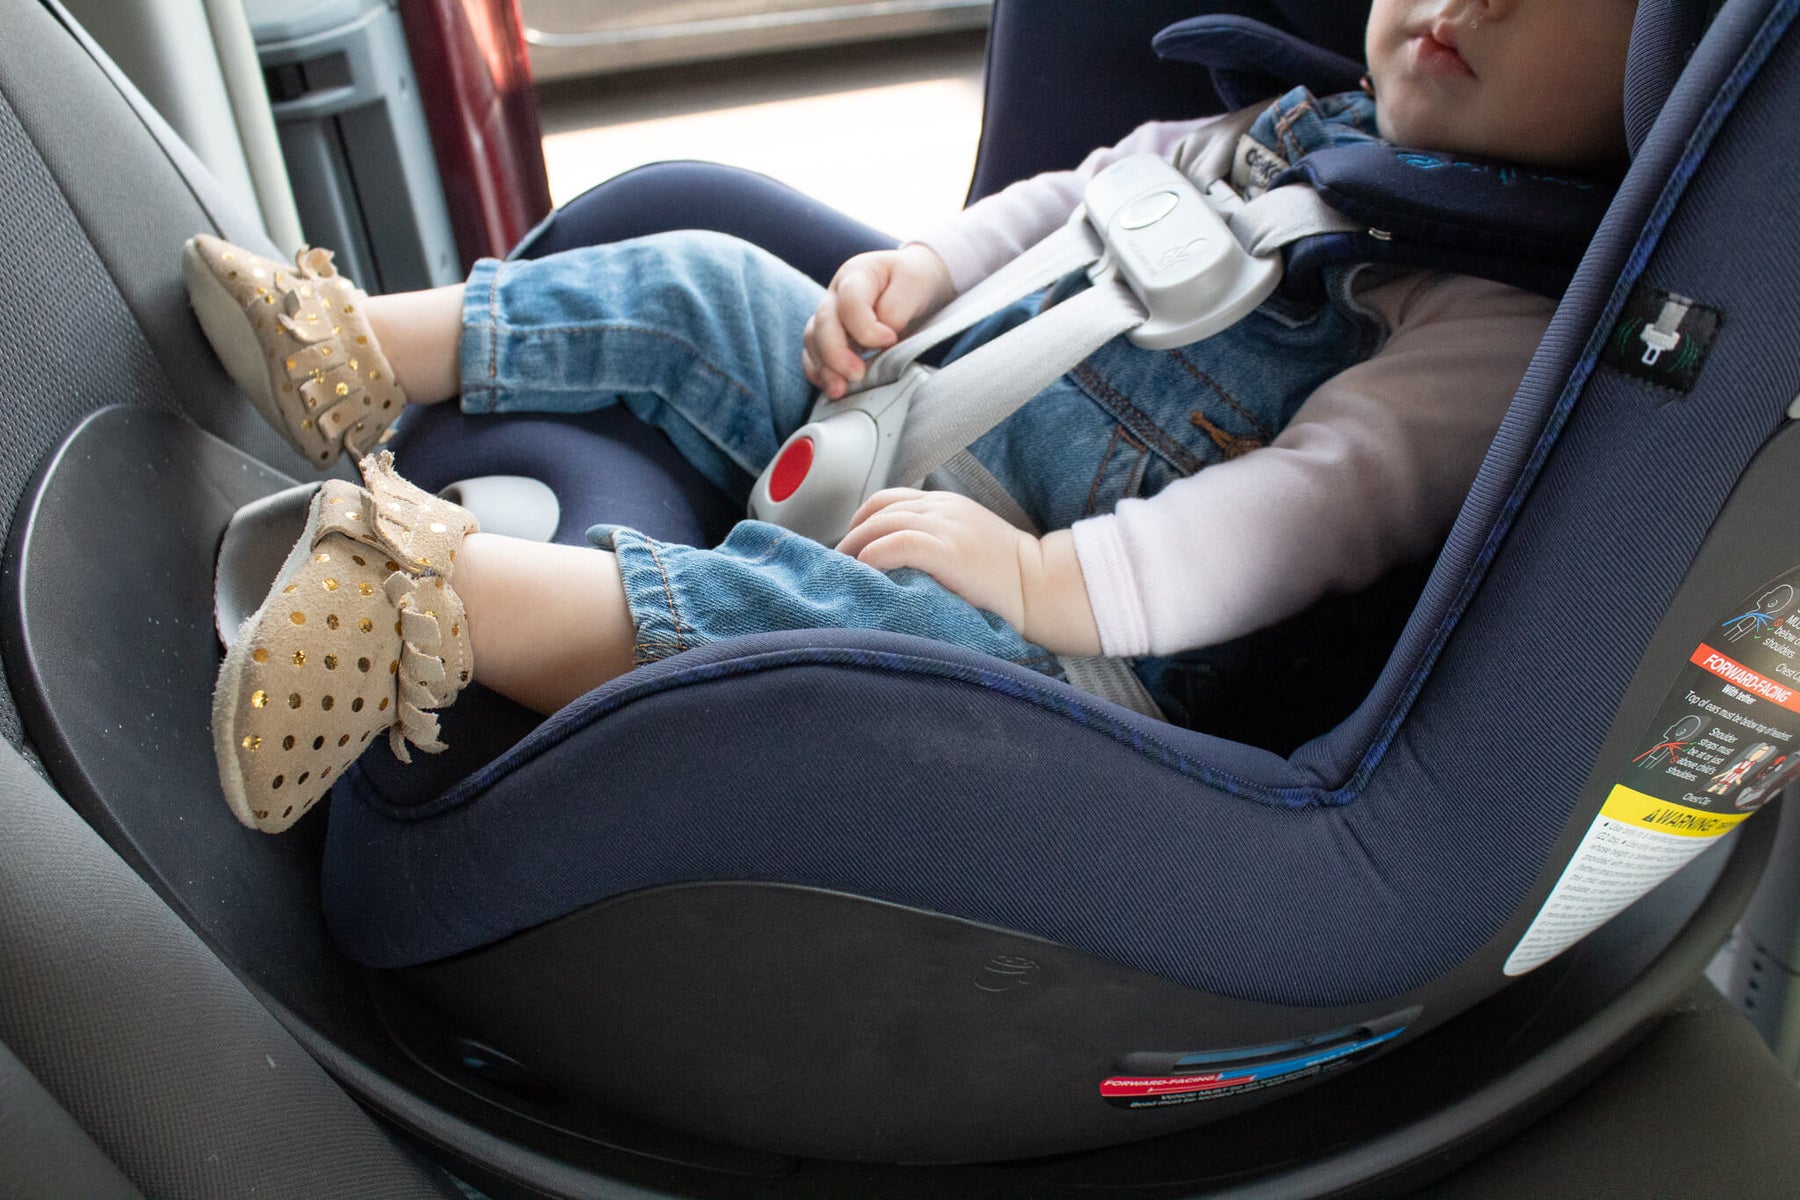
{"points": [[774, 912]]}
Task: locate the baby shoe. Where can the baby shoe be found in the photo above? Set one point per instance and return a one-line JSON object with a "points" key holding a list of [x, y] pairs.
{"points": [[361, 633], [296, 340]]}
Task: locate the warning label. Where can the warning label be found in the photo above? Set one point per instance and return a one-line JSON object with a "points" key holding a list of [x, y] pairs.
{"points": [[1722, 744]]}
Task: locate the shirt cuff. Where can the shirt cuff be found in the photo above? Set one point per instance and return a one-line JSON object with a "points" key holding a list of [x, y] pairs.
{"points": [[1112, 588], [958, 252]]}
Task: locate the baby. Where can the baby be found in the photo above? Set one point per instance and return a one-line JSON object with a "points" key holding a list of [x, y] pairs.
{"points": [[1185, 497]]}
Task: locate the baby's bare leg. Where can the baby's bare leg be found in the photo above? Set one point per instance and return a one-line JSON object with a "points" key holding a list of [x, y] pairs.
{"points": [[419, 332], [547, 622]]}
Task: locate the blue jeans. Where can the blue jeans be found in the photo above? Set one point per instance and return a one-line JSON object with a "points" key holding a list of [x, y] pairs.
{"points": [[700, 335]]}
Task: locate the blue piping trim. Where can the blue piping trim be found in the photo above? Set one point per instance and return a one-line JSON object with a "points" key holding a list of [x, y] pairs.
{"points": [[604, 701]]}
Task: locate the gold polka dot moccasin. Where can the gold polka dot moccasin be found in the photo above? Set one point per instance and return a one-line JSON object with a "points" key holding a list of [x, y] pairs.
{"points": [[296, 340], [360, 633]]}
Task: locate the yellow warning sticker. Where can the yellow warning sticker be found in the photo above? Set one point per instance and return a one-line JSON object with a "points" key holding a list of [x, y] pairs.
{"points": [[1632, 807], [1723, 743]]}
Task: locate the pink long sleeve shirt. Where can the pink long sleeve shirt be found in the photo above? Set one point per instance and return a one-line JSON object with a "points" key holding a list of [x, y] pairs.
{"points": [[1368, 475]]}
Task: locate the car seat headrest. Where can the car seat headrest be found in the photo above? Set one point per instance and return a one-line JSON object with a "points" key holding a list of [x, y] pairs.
{"points": [[1662, 39], [1250, 61]]}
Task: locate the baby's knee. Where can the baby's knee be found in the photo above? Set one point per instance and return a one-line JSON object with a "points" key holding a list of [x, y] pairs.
{"points": [[730, 280], [698, 245]]}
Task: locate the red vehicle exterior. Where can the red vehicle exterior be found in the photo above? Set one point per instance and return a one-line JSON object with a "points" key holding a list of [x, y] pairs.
{"points": [[475, 83]]}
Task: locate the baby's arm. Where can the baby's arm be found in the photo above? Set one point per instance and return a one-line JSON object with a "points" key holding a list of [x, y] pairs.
{"points": [[993, 231], [1369, 475], [1034, 584], [877, 298]]}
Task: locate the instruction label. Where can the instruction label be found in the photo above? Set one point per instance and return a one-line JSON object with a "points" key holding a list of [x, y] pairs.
{"points": [[1725, 740]]}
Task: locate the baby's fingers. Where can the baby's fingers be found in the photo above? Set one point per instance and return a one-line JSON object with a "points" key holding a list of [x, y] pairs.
{"points": [[857, 293], [877, 516], [818, 374], [882, 499], [907, 547], [826, 341]]}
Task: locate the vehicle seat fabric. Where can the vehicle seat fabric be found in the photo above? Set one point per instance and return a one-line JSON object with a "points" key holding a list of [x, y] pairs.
{"points": [[1662, 40], [176, 1071], [869, 764], [1037, 52], [86, 296], [47, 1150]]}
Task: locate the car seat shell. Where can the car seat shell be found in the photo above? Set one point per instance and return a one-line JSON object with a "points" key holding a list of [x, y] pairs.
{"points": [[1407, 881], [1417, 723]]}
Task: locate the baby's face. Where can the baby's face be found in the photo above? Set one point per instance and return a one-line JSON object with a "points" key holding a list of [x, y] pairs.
{"points": [[1533, 81]]}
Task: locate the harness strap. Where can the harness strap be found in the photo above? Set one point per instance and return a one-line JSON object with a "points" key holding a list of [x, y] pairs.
{"points": [[977, 391], [1110, 679], [1283, 215], [1070, 248], [964, 475]]}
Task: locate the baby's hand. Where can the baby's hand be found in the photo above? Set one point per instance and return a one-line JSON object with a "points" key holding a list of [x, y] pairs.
{"points": [[873, 300], [1033, 584]]}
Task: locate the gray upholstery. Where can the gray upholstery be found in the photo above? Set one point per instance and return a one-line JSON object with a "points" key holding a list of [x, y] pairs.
{"points": [[88, 285], [48, 1153], [175, 1070]]}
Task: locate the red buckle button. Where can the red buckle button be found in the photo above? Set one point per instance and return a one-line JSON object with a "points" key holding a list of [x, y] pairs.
{"points": [[790, 469]]}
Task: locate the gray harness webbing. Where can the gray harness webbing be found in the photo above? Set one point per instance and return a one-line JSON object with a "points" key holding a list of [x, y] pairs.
{"points": [[977, 391], [1173, 256]]}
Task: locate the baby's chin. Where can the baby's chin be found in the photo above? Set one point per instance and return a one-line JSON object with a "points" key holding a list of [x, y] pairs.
{"points": [[1594, 152], [1431, 131], [1422, 128]]}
